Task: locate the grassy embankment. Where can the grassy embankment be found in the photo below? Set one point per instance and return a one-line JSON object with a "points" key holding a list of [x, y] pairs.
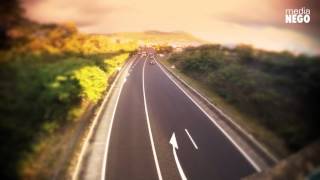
{"points": [[48, 79], [272, 95]]}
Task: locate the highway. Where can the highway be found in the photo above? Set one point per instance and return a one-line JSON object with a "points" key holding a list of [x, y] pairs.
{"points": [[158, 132]]}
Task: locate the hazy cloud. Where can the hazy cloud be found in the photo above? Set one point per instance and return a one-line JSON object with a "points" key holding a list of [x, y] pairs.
{"points": [[272, 14], [82, 12], [258, 22]]}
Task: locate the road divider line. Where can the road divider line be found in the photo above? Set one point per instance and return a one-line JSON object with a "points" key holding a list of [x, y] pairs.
{"points": [[194, 144], [148, 123], [256, 167]]}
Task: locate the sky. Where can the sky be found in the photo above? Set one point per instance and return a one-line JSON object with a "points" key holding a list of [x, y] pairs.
{"points": [[260, 23]]}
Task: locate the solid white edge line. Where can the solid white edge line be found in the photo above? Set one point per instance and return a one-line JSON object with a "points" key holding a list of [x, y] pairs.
{"points": [[105, 157], [267, 152], [212, 120], [194, 144], [91, 129], [148, 123]]}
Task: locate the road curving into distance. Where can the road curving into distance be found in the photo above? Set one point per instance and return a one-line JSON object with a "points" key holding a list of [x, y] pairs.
{"points": [[159, 132]]}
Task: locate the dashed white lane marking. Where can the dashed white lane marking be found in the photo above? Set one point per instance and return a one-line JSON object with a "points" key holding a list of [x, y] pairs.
{"points": [[194, 144], [250, 160]]}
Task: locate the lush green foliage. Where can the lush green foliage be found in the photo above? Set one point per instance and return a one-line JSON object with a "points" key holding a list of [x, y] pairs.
{"points": [[44, 80], [279, 89]]}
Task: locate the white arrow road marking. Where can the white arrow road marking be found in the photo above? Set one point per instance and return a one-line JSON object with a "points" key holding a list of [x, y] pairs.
{"points": [[253, 163], [194, 144], [173, 142]]}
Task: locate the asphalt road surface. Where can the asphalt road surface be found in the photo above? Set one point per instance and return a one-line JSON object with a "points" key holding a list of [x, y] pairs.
{"points": [[151, 108]]}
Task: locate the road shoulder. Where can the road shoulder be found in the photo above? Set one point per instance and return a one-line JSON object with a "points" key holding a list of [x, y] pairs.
{"points": [[90, 164], [258, 153]]}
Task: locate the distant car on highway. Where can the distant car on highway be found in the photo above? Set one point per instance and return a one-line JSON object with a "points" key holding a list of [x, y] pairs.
{"points": [[152, 62]]}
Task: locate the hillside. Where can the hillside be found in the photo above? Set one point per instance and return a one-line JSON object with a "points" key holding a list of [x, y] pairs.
{"points": [[158, 37]]}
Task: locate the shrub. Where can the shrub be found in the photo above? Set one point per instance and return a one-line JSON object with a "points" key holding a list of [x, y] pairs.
{"points": [[279, 89], [93, 82]]}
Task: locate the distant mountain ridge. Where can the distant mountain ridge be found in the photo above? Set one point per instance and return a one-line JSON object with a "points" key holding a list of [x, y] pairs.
{"points": [[159, 37]]}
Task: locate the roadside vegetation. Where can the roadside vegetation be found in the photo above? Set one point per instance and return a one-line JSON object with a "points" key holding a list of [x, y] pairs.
{"points": [[276, 90], [49, 75]]}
